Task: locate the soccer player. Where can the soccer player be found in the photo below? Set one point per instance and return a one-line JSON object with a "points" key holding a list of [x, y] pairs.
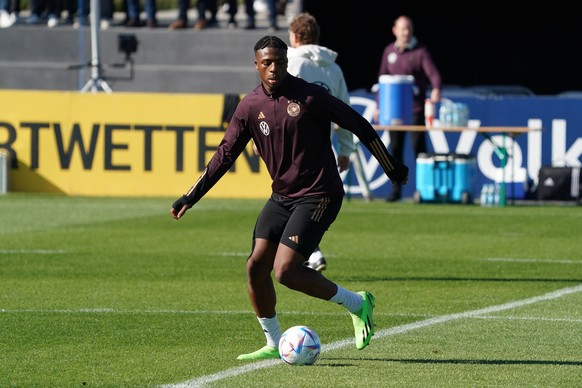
{"points": [[289, 120]]}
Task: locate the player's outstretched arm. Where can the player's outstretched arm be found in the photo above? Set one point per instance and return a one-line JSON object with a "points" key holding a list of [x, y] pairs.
{"points": [[344, 116], [231, 146], [180, 207], [396, 171], [186, 201]]}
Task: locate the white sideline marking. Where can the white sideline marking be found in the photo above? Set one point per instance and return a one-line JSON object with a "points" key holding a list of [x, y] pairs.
{"points": [[200, 381], [535, 261], [530, 319]]}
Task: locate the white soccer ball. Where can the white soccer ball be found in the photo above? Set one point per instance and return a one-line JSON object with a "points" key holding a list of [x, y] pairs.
{"points": [[299, 345]]}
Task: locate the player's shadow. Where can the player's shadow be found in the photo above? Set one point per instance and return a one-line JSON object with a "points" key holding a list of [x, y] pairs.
{"points": [[447, 279], [341, 361]]}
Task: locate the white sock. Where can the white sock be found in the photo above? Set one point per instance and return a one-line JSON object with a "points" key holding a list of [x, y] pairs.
{"points": [[272, 330], [316, 255], [350, 300]]}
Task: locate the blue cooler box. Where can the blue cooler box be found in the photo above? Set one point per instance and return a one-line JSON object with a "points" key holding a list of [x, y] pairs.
{"points": [[445, 178], [395, 99]]}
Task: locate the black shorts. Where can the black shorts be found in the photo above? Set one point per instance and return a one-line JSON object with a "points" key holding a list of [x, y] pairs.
{"points": [[298, 223]]}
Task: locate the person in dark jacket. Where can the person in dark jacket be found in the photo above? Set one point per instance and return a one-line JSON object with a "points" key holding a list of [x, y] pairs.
{"points": [[407, 56]]}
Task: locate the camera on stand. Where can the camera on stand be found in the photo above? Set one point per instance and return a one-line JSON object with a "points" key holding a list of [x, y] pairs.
{"points": [[127, 43]]}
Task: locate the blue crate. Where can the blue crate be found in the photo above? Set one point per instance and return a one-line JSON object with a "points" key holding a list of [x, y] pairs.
{"points": [[445, 178]]}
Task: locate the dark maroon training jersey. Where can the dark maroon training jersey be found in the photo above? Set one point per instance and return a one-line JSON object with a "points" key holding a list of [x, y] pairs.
{"points": [[291, 131], [415, 61]]}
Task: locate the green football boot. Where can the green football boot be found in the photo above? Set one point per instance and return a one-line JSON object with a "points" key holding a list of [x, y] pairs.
{"points": [[363, 321], [264, 353]]}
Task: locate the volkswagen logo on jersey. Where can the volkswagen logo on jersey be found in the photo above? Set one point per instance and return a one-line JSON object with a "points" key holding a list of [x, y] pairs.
{"points": [[264, 128]]}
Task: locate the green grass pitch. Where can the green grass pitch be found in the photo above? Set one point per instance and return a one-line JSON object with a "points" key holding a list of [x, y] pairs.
{"points": [[110, 292]]}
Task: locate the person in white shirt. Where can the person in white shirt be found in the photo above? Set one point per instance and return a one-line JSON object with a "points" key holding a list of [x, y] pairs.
{"points": [[316, 64]]}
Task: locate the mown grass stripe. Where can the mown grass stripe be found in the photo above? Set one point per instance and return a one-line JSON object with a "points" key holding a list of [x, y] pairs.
{"points": [[556, 261], [33, 251]]}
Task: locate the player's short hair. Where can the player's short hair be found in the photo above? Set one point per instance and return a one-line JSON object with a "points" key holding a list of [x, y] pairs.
{"points": [[305, 28], [270, 41]]}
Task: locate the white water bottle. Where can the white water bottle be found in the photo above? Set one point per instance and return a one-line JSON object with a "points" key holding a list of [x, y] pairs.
{"points": [[428, 113], [483, 198], [490, 195], [497, 194]]}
